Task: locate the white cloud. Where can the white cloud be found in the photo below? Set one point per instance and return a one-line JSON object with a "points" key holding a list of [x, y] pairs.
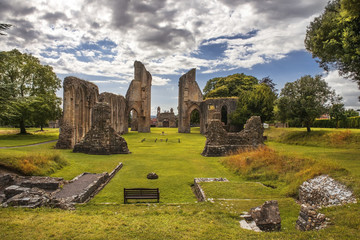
{"points": [[158, 81], [345, 88]]}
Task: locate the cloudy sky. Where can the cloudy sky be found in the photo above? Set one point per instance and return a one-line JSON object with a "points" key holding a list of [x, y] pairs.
{"points": [[99, 41]]}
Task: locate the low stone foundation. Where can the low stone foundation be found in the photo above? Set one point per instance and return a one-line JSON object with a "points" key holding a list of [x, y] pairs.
{"points": [[219, 142], [310, 219], [31, 192], [199, 193]]}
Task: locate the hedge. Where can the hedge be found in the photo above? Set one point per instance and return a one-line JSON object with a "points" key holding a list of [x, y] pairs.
{"points": [[350, 122]]}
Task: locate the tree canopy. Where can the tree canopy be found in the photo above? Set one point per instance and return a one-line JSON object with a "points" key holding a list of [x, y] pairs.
{"points": [[334, 38], [255, 98], [27, 90], [305, 99], [230, 86]]}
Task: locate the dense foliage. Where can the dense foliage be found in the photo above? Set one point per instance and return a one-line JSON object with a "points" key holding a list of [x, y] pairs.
{"points": [[334, 38], [304, 100], [255, 98], [27, 90]]}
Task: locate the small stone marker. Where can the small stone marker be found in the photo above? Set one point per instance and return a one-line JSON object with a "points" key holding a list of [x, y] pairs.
{"points": [[152, 175], [143, 140], [179, 140], [166, 140], [155, 139]]}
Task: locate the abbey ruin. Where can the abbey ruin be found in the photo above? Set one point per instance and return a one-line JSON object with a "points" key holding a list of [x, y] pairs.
{"points": [[80, 98]]}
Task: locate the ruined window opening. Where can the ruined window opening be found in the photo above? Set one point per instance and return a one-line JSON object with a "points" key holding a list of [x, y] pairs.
{"points": [[195, 118], [133, 120], [224, 115]]}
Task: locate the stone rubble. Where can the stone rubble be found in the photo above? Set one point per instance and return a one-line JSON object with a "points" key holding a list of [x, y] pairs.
{"points": [[262, 218], [325, 191], [310, 219]]}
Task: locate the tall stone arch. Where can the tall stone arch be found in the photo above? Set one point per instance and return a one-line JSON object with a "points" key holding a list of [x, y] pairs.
{"points": [[190, 96], [138, 96]]}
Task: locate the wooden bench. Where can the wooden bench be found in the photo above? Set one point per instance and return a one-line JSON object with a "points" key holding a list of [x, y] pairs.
{"points": [[141, 193]]}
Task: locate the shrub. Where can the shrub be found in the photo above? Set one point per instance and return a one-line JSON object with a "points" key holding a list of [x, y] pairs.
{"points": [[267, 166]]}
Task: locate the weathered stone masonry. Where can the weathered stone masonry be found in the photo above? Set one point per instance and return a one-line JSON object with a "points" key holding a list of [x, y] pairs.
{"points": [[80, 97]]}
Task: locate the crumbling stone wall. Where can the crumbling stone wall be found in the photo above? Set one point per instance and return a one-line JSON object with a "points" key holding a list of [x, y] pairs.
{"points": [[222, 109], [166, 119], [138, 97], [190, 98], [79, 98], [119, 119], [102, 138], [219, 142]]}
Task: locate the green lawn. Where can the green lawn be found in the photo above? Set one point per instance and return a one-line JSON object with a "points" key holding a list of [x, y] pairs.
{"points": [[10, 137], [177, 216]]}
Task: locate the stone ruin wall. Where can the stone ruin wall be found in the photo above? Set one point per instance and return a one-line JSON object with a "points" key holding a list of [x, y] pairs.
{"points": [[138, 97], [119, 120], [219, 142], [190, 98], [79, 98], [162, 116]]}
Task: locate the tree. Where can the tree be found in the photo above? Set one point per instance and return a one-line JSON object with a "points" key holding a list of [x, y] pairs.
{"points": [[334, 38], [45, 108], [24, 81], [258, 101], [3, 27], [230, 86], [337, 110], [351, 113], [305, 99]]}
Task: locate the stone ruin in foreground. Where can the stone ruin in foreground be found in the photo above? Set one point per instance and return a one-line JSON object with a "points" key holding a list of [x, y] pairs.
{"points": [[219, 142], [102, 138]]}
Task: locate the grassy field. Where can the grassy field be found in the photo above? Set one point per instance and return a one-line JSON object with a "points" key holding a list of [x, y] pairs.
{"points": [[178, 216], [9, 136]]}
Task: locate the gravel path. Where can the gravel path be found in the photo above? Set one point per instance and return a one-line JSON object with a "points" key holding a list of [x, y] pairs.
{"points": [[77, 186], [30, 144]]}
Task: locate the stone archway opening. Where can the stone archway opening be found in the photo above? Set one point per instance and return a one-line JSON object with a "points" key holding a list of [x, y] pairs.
{"points": [[224, 115], [166, 122], [194, 118], [133, 120]]}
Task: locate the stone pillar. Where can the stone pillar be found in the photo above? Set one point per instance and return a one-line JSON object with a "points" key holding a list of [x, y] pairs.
{"points": [[189, 95]]}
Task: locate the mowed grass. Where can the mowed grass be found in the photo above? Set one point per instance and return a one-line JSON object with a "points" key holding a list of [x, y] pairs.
{"points": [[177, 216], [9, 136], [177, 164]]}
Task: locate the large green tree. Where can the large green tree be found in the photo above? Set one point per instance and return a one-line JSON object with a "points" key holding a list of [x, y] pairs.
{"points": [[230, 86], [258, 101], [334, 38], [305, 99], [26, 86]]}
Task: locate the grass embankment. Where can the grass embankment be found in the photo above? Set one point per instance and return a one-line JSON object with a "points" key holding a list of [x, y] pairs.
{"points": [[33, 163], [280, 171], [9, 136], [320, 137]]}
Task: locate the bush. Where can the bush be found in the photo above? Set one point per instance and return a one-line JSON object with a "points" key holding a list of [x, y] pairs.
{"points": [[267, 166]]}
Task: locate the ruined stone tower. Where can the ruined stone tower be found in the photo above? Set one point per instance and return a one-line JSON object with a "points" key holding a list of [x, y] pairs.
{"points": [[138, 97], [190, 98]]}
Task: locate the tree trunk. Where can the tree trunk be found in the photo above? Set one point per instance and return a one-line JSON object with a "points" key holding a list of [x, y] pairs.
{"points": [[308, 128], [22, 126]]}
